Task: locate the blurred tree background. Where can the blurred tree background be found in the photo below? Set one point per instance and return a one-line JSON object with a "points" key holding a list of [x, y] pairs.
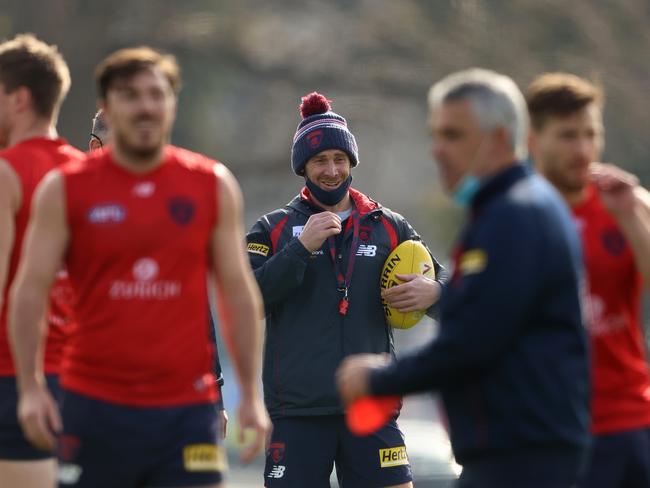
{"points": [[247, 62]]}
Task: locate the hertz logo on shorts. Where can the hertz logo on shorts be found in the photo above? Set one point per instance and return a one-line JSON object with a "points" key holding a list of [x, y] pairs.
{"points": [[393, 456], [255, 248], [204, 457]]}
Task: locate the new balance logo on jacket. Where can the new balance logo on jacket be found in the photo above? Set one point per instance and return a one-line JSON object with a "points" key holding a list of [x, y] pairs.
{"points": [[367, 250]]}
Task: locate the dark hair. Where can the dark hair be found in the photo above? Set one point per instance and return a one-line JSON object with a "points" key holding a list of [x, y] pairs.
{"points": [[129, 61], [39, 67], [559, 95]]}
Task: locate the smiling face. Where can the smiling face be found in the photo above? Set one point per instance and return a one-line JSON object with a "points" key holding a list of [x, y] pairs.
{"points": [[140, 110], [328, 169]]}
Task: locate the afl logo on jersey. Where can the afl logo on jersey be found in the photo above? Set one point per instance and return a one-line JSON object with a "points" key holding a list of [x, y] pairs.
{"points": [[108, 213], [181, 209]]}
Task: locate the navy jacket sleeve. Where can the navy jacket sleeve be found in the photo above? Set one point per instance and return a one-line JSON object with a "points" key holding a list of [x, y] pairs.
{"points": [[278, 273], [486, 305]]}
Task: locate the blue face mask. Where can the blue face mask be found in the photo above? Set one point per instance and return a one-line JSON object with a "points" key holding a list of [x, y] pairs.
{"points": [[329, 197], [465, 190]]}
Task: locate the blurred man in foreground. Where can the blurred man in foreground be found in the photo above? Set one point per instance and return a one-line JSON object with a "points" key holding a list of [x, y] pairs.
{"points": [[141, 226], [511, 356], [100, 137]]}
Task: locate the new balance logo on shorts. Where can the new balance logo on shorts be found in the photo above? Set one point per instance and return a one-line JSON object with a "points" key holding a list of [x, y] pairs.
{"points": [[393, 456], [367, 250], [277, 471]]}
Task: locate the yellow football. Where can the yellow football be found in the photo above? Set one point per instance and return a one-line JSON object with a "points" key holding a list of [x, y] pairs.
{"points": [[410, 257]]}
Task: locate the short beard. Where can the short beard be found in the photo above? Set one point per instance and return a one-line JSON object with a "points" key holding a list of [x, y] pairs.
{"points": [[137, 154], [565, 185]]}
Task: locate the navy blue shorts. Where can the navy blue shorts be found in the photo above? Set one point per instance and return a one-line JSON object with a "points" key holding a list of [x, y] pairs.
{"points": [[13, 444], [620, 460], [559, 467], [104, 445], [303, 451]]}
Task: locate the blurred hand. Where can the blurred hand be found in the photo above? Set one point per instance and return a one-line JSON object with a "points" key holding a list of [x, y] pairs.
{"points": [[319, 227], [353, 375], [616, 187], [39, 417], [253, 417], [416, 293]]}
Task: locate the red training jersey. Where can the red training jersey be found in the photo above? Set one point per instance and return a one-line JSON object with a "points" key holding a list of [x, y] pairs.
{"points": [[31, 159], [620, 378], [138, 260]]}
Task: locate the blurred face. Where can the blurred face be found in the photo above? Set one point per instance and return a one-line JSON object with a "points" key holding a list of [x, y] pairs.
{"points": [[328, 169], [141, 111], [564, 148], [457, 142]]}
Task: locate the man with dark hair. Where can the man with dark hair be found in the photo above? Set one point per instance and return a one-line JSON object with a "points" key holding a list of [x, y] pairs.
{"points": [[33, 82], [100, 135], [612, 213], [141, 227], [318, 262], [511, 357]]}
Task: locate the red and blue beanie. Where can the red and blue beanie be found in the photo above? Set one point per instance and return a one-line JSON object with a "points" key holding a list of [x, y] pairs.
{"points": [[320, 130]]}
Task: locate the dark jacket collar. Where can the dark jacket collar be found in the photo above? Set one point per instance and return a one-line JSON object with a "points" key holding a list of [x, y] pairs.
{"points": [[498, 184]]}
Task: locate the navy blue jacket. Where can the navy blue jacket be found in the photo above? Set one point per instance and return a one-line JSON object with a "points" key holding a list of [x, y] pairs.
{"points": [[511, 358], [306, 336]]}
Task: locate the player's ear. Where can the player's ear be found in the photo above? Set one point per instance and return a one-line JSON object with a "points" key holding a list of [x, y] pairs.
{"points": [[94, 144], [21, 98]]}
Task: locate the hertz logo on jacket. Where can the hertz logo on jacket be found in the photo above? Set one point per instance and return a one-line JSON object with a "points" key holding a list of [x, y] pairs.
{"points": [[256, 248]]}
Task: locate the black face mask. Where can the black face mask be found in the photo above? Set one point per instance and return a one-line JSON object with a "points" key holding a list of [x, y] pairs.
{"points": [[329, 197]]}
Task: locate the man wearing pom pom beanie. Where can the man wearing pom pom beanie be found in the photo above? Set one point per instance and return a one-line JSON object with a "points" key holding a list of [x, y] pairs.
{"points": [[318, 262]]}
